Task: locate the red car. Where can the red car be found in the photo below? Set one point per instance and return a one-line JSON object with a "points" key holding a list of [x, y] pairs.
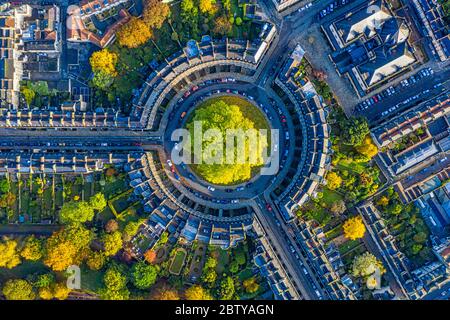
{"points": [[268, 207]]}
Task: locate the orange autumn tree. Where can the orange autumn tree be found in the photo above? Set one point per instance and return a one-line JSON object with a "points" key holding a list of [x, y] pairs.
{"points": [[150, 256]]}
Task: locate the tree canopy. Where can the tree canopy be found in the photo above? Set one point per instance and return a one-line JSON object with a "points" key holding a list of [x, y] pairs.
{"points": [[222, 26], [354, 130], [32, 248], [76, 212], [144, 275], [134, 33], [112, 242], [18, 289], [334, 181], [354, 228], [367, 148], [98, 201], [220, 117], [115, 285], [365, 265], [104, 61], [197, 292], [9, 255], [226, 289], [155, 13], [65, 247]]}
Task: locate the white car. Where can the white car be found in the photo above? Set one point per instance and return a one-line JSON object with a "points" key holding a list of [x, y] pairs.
{"points": [[211, 188]]}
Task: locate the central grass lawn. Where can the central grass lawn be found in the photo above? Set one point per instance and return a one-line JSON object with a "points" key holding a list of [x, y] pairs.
{"points": [[249, 111], [178, 262], [329, 196]]}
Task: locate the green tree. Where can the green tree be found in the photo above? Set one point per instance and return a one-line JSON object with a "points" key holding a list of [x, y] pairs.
{"points": [[226, 289], [102, 80], [354, 130], [76, 212], [132, 228], [96, 260], [115, 285], [209, 275], [365, 265], [4, 185], [44, 280], [144, 275], [234, 266], [112, 243], [222, 117], [17, 289], [114, 280], [98, 202]]}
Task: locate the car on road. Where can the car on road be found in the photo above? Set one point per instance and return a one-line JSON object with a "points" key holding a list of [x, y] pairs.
{"points": [[210, 188], [241, 188], [268, 207], [235, 201]]}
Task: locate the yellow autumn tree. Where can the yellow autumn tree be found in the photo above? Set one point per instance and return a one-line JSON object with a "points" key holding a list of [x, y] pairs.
{"points": [[46, 293], [134, 34], [155, 13], [32, 248], [383, 201], [104, 61], [334, 181], [66, 247], [9, 255], [197, 292], [61, 291], [207, 6], [354, 228], [367, 148]]}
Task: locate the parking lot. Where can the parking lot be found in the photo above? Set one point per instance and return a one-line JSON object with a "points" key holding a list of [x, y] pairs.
{"points": [[417, 88]]}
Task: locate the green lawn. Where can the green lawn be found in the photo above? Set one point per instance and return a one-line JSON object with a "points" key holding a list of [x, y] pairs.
{"points": [[329, 196], [23, 270], [335, 232], [351, 166], [91, 280], [348, 246], [178, 261]]}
